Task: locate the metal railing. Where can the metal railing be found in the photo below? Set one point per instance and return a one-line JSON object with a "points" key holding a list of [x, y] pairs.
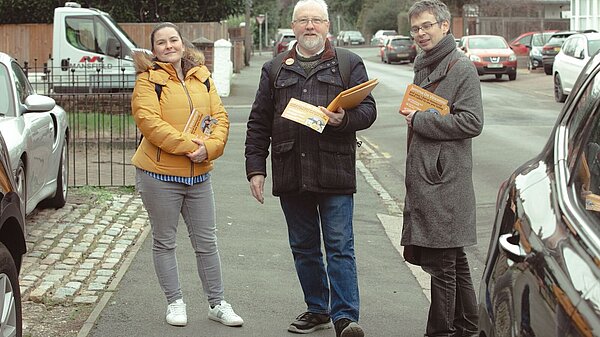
{"points": [[103, 135]]}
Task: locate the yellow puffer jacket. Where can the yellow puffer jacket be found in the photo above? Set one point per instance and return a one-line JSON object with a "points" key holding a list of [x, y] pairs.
{"points": [[164, 146]]}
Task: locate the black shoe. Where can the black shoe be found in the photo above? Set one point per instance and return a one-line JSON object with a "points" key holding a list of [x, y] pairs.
{"points": [[310, 322], [347, 328]]}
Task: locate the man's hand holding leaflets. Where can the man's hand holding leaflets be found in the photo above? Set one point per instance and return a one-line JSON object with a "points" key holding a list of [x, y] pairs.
{"points": [[317, 118]]}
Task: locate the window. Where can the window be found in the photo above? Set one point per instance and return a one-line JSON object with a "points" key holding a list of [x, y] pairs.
{"points": [[569, 47], [584, 148], [89, 34], [23, 87], [6, 101], [579, 48]]}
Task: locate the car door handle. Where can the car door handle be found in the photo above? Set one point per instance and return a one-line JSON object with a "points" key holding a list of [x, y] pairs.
{"points": [[509, 243]]}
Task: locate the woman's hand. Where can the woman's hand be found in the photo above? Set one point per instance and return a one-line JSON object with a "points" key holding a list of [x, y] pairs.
{"points": [[200, 154]]}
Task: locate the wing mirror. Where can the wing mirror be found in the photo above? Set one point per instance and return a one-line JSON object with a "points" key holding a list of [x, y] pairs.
{"points": [[113, 47], [38, 103]]}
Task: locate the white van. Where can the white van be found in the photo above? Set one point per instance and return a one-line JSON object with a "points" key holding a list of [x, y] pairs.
{"points": [[90, 52]]}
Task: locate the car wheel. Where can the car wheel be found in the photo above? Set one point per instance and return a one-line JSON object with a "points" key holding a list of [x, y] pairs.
{"points": [[548, 69], [62, 179], [21, 182], [11, 319], [498, 76], [559, 94], [512, 76], [503, 316], [529, 64]]}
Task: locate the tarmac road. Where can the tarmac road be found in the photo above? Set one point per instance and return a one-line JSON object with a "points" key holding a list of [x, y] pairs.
{"points": [[260, 280]]}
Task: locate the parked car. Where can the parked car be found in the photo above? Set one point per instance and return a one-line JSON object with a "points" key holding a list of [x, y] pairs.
{"points": [[351, 37], [542, 276], [570, 60], [36, 134], [12, 249], [399, 48], [282, 40], [490, 55], [522, 43], [379, 37], [538, 40], [552, 47]]}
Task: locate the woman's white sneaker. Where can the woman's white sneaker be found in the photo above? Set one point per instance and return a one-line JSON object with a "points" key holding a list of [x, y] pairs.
{"points": [[176, 314], [224, 313]]}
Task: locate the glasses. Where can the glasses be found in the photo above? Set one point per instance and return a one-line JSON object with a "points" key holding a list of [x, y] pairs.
{"points": [[425, 27], [305, 21]]}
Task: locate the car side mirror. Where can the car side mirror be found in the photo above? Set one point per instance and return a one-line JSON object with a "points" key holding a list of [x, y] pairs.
{"points": [[580, 55], [509, 243], [113, 47], [39, 103]]}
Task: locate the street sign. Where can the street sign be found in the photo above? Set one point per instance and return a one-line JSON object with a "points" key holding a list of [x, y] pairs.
{"points": [[260, 19]]}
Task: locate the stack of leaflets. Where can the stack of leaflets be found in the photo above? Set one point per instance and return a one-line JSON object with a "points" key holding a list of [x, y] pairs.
{"points": [[312, 116], [419, 99], [199, 124]]}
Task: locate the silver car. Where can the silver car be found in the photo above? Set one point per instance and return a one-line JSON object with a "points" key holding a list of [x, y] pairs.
{"points": [[36, 133]]}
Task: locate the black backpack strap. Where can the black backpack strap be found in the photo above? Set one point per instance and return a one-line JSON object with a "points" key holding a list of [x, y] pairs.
{"points": [[343, 57], [275, 69]]}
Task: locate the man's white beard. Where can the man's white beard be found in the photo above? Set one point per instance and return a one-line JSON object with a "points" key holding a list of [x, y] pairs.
{"points": [[311, 43]]}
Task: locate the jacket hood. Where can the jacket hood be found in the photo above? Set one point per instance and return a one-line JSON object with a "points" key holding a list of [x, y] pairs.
{"points": [[145, 61]]}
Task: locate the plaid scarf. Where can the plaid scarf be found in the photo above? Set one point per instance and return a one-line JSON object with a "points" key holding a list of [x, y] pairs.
{"points": [[426, 62]]}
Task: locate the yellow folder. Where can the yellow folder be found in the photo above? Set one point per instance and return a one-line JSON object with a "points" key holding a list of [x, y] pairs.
{"points": [[352, 97]]}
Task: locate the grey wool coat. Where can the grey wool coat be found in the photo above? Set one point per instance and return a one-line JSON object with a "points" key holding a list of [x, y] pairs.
{"points": [[439, 209]]}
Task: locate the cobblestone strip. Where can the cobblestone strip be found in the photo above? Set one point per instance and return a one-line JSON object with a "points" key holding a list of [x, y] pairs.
{"points": [[73, 253]]}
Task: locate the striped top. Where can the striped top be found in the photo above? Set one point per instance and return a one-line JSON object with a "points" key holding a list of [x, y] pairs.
{"points": [[182, 180]]}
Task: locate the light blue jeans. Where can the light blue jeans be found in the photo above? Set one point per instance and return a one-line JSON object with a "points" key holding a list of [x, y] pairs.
{"points": [[308, 215], [164, 202]]}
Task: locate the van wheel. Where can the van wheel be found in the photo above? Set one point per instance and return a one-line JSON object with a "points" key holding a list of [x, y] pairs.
{"points": [[559, 94], [11, 318]]}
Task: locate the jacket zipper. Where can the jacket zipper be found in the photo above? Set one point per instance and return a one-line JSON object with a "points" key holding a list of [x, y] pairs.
{"points": [[187, 93]]}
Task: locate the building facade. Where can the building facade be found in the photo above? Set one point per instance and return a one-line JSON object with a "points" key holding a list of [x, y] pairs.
{"points": [[585, 14]]}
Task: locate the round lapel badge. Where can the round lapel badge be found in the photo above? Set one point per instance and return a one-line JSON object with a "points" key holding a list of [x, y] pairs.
{"points": [[289, 61]]}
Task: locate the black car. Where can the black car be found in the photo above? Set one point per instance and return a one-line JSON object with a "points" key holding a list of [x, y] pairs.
{"points": [[399, 48], [542, 274], [12, 249], [552, 47]]}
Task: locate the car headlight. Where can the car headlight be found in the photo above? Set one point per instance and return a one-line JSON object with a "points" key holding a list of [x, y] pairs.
{"points": [[512, 57], [475, 58]]}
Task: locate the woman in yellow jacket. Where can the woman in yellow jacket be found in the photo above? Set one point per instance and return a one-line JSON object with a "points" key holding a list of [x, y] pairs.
{"points": [[172, 167]]}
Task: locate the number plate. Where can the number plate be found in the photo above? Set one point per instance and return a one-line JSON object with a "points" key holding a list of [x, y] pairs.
{"points": [[495, 65], [402, 55]]}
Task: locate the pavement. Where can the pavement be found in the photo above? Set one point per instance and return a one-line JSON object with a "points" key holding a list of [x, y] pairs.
{"points": [[96, 253]]}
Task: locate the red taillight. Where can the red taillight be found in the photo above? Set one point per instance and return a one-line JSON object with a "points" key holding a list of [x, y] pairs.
{"points": [[547, 48], [390, 48]]}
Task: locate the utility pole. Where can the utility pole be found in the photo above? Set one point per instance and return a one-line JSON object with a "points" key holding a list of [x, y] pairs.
{"points": [[260, 19], [266, 30], [248, 36]]}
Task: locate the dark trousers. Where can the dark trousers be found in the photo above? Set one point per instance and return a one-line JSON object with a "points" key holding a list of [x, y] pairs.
{"points": [[453, 310]]}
